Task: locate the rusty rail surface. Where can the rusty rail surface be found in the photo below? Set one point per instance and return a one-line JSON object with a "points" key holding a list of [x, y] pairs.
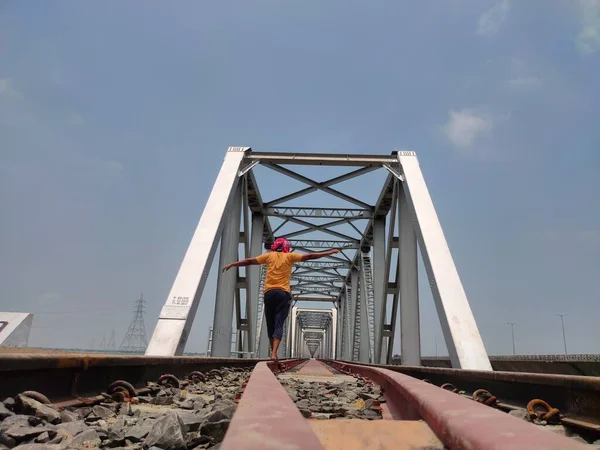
{"points": [[266, 416], [460, 423], [63, 377], [576, 397]]}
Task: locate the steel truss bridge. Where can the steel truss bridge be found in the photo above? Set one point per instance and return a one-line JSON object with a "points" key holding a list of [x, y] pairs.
{"points": [[369, 283]]}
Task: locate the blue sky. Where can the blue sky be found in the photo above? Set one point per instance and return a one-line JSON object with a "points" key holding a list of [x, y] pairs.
{"points": [[115, 116]]}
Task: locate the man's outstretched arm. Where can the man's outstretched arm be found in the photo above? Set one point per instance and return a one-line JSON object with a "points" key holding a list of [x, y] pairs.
{"points": [[309, 256], [243, 262]]}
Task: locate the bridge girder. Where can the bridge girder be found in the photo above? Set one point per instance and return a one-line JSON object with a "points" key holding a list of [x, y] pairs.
{"points": [[358, 281]]}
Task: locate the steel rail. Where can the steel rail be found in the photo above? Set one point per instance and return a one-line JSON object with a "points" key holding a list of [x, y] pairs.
{"points": [[577, 397], [266, 417], [66, 376], [457, 421]]}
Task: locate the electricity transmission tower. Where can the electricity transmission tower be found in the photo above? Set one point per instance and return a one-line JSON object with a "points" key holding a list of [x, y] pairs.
{"points": [[111, 342], [135, 338]]}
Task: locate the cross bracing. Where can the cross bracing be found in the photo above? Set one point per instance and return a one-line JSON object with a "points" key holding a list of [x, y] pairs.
{"points": [[313, 320], [377, 266], [324, 264], [314, 244], [331, 291], [314, 298], [294, 212], [318, 278]]}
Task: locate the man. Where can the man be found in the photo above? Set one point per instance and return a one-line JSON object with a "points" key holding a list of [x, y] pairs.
{"points": [[277, 291]]}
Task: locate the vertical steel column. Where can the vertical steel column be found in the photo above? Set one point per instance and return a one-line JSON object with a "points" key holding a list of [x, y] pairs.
{"points": [[340, 327], [348, 325], [263, 345], [379, 287], [288, 337], [333, 342], [226, 282], [246, 327], [394, 317], [334, 333], [353, 308], [330, 341], [462, 336], [253, 279], [177, 315], [410, 339], [294, 336], [387, 331], [364, 348], [345, 329], [284, 339]]}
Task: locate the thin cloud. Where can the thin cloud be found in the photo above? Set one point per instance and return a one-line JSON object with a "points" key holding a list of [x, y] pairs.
{"points": [[588, 39], [466, 127], [491, 21], [585, 237], [6, 87], [525, 82], [46, 148], [48, 297], [75, 119]]}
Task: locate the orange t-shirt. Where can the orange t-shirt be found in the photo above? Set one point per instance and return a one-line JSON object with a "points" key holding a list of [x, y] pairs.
{"points": [[279, 269]]}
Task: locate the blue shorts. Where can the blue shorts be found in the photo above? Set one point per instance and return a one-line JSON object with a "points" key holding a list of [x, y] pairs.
{"points": [[277, 307]]}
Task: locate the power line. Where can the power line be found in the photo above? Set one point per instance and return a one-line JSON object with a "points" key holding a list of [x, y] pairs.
{"points": [[75, 312]]}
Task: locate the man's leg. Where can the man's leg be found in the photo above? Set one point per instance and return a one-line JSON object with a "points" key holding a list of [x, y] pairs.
{"points": [[283, 307], [270, 311], [275, 347]]}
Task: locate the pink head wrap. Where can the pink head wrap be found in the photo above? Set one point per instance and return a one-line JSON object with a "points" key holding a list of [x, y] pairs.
{"points": [[283, 243]]}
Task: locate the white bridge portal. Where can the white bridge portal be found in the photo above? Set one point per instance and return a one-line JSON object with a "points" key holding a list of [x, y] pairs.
{"points": [[15, 329], [372, 281]]}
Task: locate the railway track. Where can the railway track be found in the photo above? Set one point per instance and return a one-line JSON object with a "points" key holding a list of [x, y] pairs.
{"points": [[64, 401]]}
